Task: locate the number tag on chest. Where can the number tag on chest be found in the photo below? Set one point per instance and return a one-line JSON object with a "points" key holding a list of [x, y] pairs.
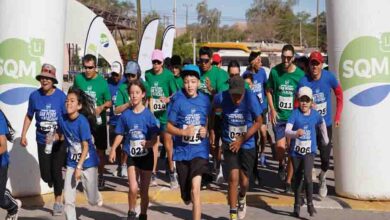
{"points": [[75, 152], [236, 131], [321, 108], [158, 105], [302, 147], [192, 139], [260, 96], [136, 149], [286, 103]]}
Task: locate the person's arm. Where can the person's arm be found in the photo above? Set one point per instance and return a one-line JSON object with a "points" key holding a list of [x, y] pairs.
{"points": [[3, 144], [172, 129], [117, 141], [338, 91], [26, 125], [293, 134], [324, 132], [236, 145], [274, 114], [79, 167]]}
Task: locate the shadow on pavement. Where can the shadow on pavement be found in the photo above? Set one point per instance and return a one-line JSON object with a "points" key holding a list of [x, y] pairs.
{"points": [[180, 212]]}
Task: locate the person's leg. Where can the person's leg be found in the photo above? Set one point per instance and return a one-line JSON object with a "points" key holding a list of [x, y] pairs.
{"points": [[89, 179], [133, 188], [168, 144], [7, 201], [308, 166], [100, 137], [155, 162], [70, 194], [233, 181], [297, 165], [58, 160], [45, 165], [256, 162], [195, 197], [325, 151], [183, 175], [144, 189]]}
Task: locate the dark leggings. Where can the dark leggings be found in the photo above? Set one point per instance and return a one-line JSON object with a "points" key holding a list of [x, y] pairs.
{"points": [[325, 149], [51, 165], [7, 201], [303, 167]]}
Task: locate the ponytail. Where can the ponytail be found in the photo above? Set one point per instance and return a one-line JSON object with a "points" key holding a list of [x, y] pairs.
{"points": [[87, 105]]}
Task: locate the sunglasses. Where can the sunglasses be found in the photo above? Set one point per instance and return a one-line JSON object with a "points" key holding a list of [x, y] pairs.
{"points": [[287, 57], [131, 75], [44, 78], [154, 62], [89, 67], [201, 60], [305, 99]]}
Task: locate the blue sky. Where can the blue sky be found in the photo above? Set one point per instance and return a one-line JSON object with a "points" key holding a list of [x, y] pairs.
{"points": [[232, 10]]}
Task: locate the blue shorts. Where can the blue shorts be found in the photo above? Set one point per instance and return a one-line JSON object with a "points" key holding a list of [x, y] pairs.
{"points": [[162, 127], [280, 130]]}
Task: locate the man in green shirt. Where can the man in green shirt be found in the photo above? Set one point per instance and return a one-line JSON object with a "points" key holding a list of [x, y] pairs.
{"points": [[162, 85], [96, 86], [281, 89]]}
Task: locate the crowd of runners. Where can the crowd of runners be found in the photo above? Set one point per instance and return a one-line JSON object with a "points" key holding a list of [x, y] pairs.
{"points": [[188, 114]]}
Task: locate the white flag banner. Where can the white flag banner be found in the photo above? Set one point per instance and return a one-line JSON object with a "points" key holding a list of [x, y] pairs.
{"points": [[168, 39], [147, 45]]}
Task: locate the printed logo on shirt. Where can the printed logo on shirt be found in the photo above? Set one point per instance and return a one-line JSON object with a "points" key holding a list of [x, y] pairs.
{"points": [[91, 93], [156, 90], [48, 114], [286, 88], [236, 117], [193, 118], [364, 62], [20, 62]]}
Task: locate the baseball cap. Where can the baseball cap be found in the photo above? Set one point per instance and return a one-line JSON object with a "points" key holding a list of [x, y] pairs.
{"points": [[190, 70], [236, 85], [116, 68], [216, 58], [305, 91], [253, 55], [158, 55], [132, 67], [48, 71], [317, 56]]}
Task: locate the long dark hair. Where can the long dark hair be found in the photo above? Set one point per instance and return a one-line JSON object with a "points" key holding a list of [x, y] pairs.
{"points": [[11, 131], [139, 84], [87, 103]]}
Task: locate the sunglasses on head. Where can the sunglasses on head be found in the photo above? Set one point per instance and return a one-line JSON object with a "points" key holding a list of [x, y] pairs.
{"points": [[305, 99], [89, 67], [156, 62], [201, 60]]}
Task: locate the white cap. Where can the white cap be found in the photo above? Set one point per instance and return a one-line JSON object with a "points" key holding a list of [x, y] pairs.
{"points": [[116, 67], [305, 91]]}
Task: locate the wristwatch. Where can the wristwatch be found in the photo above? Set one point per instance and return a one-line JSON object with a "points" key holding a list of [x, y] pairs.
{"points": [[79, 167]]}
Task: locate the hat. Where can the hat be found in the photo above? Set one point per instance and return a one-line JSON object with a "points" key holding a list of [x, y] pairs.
{"points": [[48, 71], [216, 58], [253, 55], [175, 60], [158, 55], [317, 56], [190, 70], [236, 85], [132, 67], [116, 68], [305, 91]]}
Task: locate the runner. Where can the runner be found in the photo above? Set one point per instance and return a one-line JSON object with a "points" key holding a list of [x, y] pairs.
{"points": [[137, 125], [7, 201], [241, 113], [322, 82], [161, 87], [187, 122], [301, 128], [48, 105], [176, 69], [281, 89], [82, 160], [96, 86]]}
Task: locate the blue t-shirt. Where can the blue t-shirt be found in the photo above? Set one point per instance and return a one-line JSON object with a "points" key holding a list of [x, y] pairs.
{"points": [[76, 131], [113, 87], [47, 110], [322, 93], [238, 119], [259, 82], [185, 111], [136, 127], [308, 123], [4, 158]]}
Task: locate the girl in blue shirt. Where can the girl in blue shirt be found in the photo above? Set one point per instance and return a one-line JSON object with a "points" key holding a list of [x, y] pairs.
{"points": [[187, 122], [138, 127], [301, 128], [82, 160]]}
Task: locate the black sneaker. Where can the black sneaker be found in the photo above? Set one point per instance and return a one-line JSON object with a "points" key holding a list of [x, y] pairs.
{"points": [[282, 173], [297, 209], [101, 183], [288, 189], [143, 217], [311, 210], [131, 215]]}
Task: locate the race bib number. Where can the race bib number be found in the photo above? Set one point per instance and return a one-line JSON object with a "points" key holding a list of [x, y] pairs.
{"points": [[192, 139], [321, 108], [158, 105], [136, 149], [302, 147], [286, 103], [237, 131], [47, 126], [75, 152]]}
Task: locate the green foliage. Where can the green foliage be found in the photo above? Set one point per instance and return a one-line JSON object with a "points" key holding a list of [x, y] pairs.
{"points": [[182, 46]]}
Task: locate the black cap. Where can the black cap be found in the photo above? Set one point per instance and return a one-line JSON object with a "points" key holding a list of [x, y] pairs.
{"points": [[175, 60], [236, 85], [253, 56]]}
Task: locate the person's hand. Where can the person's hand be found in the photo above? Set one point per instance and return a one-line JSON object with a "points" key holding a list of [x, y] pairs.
{"points": [[337, 124], [77, 174], [189, 131], [236, 145], [203, 132], [112, 156], [300, 132], [274, 116], [165, 99], [212, 138], [208, 85], [98, 110], [23, 141]]}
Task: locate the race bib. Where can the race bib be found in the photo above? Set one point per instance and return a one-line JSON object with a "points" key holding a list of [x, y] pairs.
{"points": [[260, 96], [302, 147], [47, 126], [321, 108], [192, 139], [158, 105], [75, 152], [286, 103], [235, 131], [136, 149]]}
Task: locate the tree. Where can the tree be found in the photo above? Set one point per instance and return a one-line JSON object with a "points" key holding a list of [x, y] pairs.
{"points": [[124, 8], [209, 21]]}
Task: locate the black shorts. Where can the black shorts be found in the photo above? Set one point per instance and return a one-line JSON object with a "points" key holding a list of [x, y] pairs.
{"points": [[243, 160], [218, 129], [100, 137], [143, 163], [186, 170]]}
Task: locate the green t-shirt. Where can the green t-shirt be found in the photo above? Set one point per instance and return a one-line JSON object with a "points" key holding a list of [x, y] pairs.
{"points": [[97, 88], [122, 96], [179, 82], [284, 88], [218, 80], [161, 85]]}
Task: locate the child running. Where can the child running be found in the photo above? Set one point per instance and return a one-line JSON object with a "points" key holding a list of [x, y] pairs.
{"points": [[139, 128], [82, 160], [187, 122], [301, 128]]}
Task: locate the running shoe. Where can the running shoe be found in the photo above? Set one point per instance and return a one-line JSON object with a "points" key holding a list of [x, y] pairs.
{"points": [[14, 216], [143, 217], [58, 209], [101, 183], [323, 188], [131, 215], [282, 173], [288, 189], [311, 210], [233, 216], [263, 161], [241, 209], [124, 170], [153, 180], [297, 210], [173, 179], [100, 202], [220, 179]]}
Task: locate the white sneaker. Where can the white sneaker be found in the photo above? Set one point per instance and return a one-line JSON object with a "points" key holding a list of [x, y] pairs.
{"points": [[219, 179], [100, 202], [15, 216], [153, 180], [241, 209], [124, 170], [323, 187], [173, 180]]}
